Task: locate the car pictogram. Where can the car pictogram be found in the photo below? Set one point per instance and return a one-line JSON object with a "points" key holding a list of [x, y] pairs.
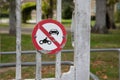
{"points": [[53, 31]]}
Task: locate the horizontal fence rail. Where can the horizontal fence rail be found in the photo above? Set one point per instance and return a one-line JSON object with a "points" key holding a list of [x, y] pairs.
{"points": [[94, 77], [52, 62], [65, 51], [3, 65]]}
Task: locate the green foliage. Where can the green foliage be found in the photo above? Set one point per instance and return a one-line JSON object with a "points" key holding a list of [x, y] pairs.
{"points": [[26, 10], [117, 16], [28, 4], [45, 8], [67, 12], [4, 9], [67, 9], [4, 15], [48, 6], [111, 2]]}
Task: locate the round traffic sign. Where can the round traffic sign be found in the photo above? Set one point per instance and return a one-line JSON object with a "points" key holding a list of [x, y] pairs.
{"points": [[49, 36]]}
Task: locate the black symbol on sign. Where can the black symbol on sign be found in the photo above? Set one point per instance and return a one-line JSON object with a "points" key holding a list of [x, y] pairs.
{"points": [[45, 41], [54, 31]]}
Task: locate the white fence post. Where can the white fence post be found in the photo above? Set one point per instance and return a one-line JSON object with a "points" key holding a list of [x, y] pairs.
{"points": [[82, 40], [58, 66], [58, 55], [18, 39], [38, 54]]}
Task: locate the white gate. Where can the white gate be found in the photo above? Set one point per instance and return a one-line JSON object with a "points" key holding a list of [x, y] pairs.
{"points": [[81, 68]]}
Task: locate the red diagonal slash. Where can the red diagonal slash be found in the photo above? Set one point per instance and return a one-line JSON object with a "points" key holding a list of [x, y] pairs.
{"points": [[49, 36]]}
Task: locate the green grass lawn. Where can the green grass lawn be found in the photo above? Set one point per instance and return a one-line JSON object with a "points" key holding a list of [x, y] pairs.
{"points": [[103, 64], [65, 22]]}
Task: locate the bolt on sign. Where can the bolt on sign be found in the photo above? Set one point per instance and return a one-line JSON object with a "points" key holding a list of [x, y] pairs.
{"points": [[49, 36]]}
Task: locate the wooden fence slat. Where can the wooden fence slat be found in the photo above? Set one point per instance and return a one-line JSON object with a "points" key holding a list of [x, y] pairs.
{"points": [[38, 54], [18, 39]]}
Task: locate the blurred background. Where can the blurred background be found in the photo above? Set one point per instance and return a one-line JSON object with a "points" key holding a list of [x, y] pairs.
{"points": [[105, 33]]}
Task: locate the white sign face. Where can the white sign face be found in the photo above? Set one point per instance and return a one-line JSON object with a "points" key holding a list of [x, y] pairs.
{"points": [[49, 35], [44, 41]]}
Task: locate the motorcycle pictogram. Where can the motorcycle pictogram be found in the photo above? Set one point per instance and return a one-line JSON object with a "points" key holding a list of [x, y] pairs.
{"points": [[45, 41]]}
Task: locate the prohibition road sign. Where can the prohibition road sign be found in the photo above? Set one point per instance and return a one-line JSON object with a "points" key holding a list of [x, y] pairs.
{"points": [[49, 36]]}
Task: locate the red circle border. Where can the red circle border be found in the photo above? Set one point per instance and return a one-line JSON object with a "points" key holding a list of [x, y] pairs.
{"points": [[39, 24]]}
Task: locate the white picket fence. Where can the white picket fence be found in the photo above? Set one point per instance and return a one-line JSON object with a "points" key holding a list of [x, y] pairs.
{"points": [[81, 68]]}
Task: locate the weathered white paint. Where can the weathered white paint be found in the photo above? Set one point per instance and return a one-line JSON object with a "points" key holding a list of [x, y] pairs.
{"points": [[59, 10], [82, 40], [65, 76], [81, 68], [58, 55], [39, 10], [38, 54], [18, 39], [73, 28], [68, 75], [38, 66], [58, 66]]}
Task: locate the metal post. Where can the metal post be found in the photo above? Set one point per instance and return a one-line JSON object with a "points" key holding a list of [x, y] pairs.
{"points": [[59, 10], [58, 66], [38, 54], [82, 40], [38, 65], [58, 55], [18, 39]]}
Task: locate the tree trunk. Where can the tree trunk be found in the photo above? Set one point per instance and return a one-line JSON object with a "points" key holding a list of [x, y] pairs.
{"points": [[100, 26], [51, 9], [110, 23], [12, 18]]}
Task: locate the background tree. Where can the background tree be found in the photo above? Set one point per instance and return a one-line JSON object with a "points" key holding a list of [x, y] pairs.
{"points": [[48, 6], [4, 8], [45, 8], [51, 9], [117, 13], [8, 7], [12, 17], [110, 20], [100, 25], [67, 9], [26, 10]]}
